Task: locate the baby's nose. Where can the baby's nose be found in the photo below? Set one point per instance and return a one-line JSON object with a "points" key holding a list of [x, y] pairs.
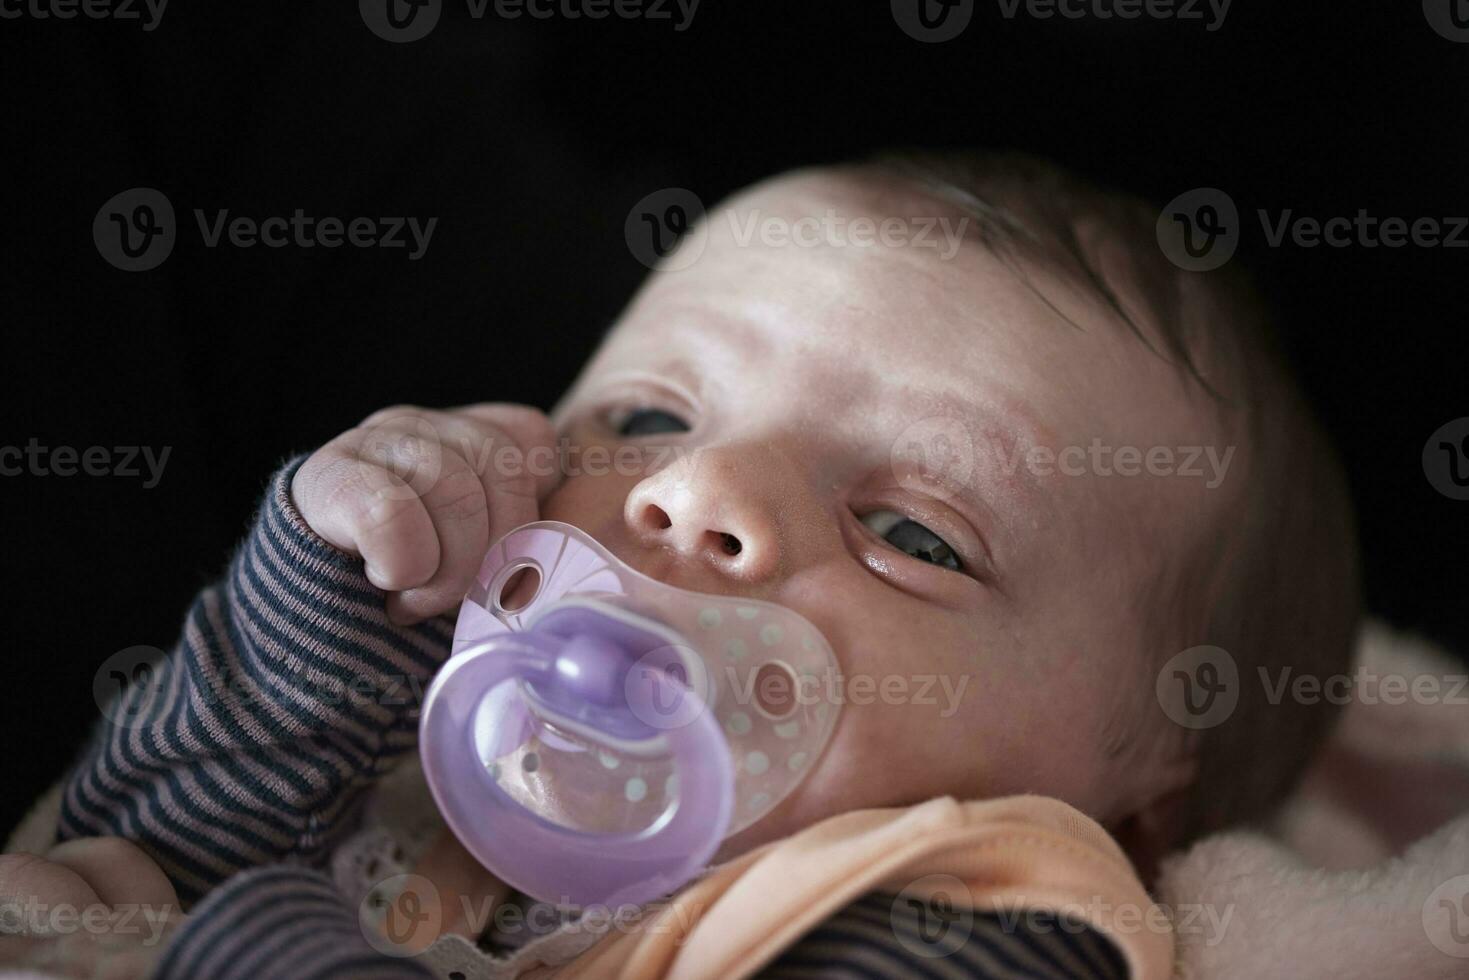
{"points": [[709, 510]]}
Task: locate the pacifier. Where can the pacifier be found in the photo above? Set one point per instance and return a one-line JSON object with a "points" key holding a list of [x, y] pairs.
{"points": [[596, 734]]}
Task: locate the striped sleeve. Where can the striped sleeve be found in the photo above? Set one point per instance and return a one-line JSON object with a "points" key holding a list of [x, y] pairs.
{"points": [[288, 693], [283, 922], [889, 937]]}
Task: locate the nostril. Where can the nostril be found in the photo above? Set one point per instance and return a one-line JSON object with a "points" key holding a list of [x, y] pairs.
{"points": [[657, 517], [731, 544]]}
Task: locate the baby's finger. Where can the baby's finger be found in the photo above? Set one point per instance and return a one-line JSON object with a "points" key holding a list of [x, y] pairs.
{"points": [[118, 871], [364, 508], [498, 456], [28, 878], [530, 432], [457, 505]]}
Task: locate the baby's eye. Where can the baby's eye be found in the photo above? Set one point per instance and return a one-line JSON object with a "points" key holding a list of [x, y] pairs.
{"points": [[649, 422], [912, 538]]}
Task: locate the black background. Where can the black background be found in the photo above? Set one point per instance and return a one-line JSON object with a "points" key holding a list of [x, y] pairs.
{"points": [[531, 140]]}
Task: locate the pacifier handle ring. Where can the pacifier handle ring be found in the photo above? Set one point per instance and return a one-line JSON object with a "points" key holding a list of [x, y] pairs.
{"points": [[547, 860]]}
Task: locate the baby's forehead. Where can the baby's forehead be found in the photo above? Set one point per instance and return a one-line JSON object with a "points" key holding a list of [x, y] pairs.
{"points": [[929, 302]]}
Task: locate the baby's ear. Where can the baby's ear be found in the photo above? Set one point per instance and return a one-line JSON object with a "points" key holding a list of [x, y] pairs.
{"points": [[1152, 833], [1154, 830]]}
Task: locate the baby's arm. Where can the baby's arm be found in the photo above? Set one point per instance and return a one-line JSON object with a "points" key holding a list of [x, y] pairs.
{"points": [[291, 688]]}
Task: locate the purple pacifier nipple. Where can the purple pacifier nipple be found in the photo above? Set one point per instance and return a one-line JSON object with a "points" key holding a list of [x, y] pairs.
{"points": [[584, 679]]}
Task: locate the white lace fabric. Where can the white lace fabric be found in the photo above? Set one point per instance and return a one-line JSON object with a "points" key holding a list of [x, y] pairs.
{"points": [[399, 822]]}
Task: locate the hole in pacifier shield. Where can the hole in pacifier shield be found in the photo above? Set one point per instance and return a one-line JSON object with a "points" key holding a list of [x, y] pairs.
{"points": [[519, 588], [402, 915], [667, 688], [775, 690]]}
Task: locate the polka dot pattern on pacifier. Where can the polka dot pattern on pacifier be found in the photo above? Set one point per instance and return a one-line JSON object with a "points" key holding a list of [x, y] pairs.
{"points": [[769, 671]]}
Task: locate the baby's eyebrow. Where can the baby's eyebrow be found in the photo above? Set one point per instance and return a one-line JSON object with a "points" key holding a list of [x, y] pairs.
{"points": [[987, 439]]}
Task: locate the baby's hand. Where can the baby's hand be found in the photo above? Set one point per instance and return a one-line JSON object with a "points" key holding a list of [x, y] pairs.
{"points": [[97, 907], [420, 494]]}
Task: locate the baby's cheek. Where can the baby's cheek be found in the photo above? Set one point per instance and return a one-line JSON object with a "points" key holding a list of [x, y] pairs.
{"points": [[592, 503], [890, 751]]}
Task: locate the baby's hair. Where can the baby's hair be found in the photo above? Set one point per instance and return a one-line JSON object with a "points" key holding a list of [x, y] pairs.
{"points": [[1276, 585]]}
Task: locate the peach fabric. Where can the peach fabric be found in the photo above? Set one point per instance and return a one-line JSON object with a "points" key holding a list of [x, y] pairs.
{"points": [[1022, 852]]}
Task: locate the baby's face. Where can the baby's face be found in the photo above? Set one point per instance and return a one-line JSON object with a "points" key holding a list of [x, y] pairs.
{"points": [[857, 427]]}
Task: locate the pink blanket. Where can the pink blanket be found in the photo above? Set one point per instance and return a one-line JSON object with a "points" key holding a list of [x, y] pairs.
{"points": [[1366, 873]]}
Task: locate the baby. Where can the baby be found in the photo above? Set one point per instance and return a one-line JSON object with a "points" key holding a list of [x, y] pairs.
{"points": [[962, 465]]}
